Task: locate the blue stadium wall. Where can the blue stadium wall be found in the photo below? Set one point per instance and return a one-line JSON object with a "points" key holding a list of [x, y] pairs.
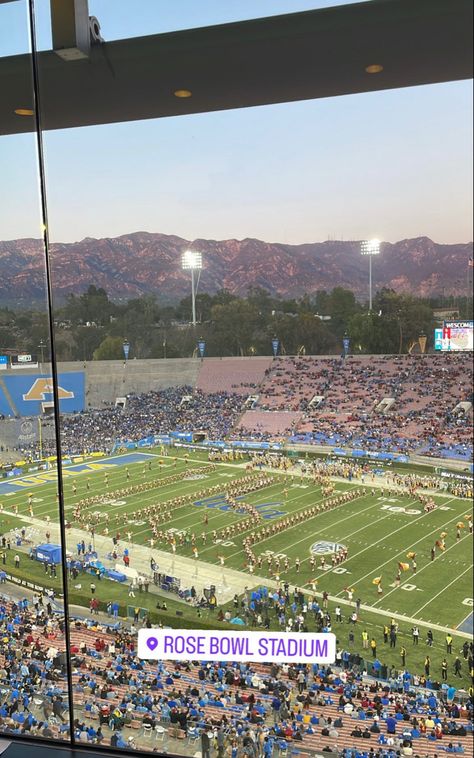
{"points": [[24, 395]]}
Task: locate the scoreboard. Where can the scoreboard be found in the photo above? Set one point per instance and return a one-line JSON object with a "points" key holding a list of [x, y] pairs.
{"points": [[455, 336]]}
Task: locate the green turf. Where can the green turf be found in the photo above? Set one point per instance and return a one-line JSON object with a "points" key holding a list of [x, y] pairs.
{"points": [[377, 538]]}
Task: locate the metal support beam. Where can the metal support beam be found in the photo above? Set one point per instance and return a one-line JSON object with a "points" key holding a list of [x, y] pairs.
{"points": [[70, 28]]}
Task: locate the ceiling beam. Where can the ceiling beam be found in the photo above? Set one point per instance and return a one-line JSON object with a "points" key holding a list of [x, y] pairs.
{"points": [[70, 28], [315, 54]]}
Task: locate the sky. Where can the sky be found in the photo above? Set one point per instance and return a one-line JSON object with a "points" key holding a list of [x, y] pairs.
{"points": [[392, 164]]}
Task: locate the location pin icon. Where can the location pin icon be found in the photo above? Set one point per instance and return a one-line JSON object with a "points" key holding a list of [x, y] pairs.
{"points": [[152, 643]]}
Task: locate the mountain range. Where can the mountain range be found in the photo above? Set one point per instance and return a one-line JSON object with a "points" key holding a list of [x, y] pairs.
{"points": [[142, 263]]}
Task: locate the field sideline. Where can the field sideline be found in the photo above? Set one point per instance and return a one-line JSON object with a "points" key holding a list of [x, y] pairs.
{"points": [[378, 531]]}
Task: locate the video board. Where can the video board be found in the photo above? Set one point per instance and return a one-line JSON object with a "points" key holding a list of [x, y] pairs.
{"points": [[454, 336]]}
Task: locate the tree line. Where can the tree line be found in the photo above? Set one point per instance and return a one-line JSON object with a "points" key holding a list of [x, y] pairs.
{"points": [[90, 326]]}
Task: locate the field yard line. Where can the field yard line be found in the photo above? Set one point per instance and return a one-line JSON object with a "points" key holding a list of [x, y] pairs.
{"points": [[242, 516], [329, 571], [100, 490], [146, 496], [398, 616], [179, 507], [444, 588], [126, 510], [217, 513], [90, 459], [94, 459], [411, 576], [383, 518], [403, 549], [289, 500], [272, 536], [464, 619], [370, 609], [152, 494], [165, 525]]}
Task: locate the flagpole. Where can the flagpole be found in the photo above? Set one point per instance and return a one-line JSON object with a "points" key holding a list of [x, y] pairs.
{"points": [[40, 430]]}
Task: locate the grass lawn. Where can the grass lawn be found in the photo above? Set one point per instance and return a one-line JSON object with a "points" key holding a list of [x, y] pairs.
{"points": [[378, 530]]}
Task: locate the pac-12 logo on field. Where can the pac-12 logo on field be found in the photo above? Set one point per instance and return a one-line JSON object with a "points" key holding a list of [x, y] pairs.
{"points": [[324, 548], [44, 386]]}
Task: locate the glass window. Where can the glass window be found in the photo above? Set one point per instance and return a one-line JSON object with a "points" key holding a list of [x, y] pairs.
{"points": [[33, 659], [224, 406]]}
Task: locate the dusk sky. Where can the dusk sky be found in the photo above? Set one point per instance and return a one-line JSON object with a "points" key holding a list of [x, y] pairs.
{"points": [[391, 164]]}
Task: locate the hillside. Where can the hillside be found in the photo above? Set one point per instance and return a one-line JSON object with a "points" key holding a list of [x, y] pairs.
{"points": [[141, 263]]}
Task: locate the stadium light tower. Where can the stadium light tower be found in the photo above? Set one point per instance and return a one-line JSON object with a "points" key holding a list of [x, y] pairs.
{"points": [[192, 261], [370, 248]]}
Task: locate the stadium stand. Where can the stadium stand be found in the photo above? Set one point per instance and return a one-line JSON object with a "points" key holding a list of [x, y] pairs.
{"points": [[106, 380], [147, 414], [33, 688], [422, 419], [269, 422], [299, 709], [425, 388], [232, 374]]}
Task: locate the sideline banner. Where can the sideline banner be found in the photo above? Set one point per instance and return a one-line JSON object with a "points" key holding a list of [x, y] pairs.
{"points": [[239, 646]]}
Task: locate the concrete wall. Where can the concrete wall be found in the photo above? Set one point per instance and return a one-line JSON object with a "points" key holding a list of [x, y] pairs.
{"points": [[106, 380], [19, 434]]}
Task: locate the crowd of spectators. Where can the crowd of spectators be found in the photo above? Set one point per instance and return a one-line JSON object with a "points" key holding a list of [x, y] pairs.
{"points": [[34, 698], [255, 709], [422, 418], [157, 412], [423, 392]]}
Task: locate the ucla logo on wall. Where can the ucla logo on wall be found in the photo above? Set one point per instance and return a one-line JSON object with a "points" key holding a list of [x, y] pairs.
{"points": [[26, 393], [324, 548], [43, 387]]}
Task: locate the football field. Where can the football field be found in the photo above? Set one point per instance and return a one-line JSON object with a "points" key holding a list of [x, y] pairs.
{"points": [[378, 530]]}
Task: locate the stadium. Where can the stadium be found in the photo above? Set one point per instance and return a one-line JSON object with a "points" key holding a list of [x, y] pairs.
{"points": [[236, 379], [269, 493]]}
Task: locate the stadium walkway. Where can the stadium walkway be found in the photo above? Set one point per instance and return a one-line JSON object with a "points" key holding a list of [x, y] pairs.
{"points": [[198, 573]]}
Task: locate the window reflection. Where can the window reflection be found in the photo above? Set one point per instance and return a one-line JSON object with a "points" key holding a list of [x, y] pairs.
{"points": [[33, 661], [185, 393]]}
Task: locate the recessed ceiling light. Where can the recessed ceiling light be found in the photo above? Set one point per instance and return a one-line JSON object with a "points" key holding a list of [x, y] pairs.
{"points": [[183, 93], [24, 112], [374, 68]]}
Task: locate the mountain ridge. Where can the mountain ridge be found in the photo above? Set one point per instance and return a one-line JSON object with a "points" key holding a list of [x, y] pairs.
{"points": [[141, 263]]}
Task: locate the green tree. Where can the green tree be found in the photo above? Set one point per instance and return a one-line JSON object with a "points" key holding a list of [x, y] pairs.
{"points": [[371, 333], [303, 332], [204, 303], [86, 340], [92, 306], [234, 325], [262, 301], [341, 305], [412, 316], [223, 297], [110, 349]]}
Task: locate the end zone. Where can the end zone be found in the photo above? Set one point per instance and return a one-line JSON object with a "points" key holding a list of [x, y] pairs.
{"points": [[467, 625], [45, 477]]}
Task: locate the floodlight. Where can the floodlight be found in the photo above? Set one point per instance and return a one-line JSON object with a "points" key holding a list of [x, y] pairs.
{"points": [[191, 260], [370, 247]]}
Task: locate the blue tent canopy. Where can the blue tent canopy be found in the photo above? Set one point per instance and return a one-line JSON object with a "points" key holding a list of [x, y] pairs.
{"points": [[48, 553]]}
